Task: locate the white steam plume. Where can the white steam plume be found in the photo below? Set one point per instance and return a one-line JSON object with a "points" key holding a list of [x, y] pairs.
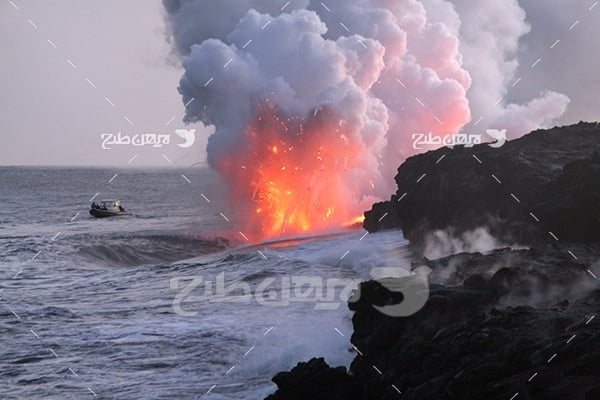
{"points": [[490, 33], [388, 68]]}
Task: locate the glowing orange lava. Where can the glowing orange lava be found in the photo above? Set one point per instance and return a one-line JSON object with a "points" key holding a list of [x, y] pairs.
{"points": [[293, 175]]}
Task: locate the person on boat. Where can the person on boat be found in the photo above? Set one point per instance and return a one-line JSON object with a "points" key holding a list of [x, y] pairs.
{"points": [[94, 205], [121, 208]]}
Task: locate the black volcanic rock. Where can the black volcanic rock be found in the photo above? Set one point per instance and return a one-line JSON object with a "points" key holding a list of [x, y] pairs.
{"points": [[484, 336], [491, 322], [570, 204], [316, 380], [553, 173]]}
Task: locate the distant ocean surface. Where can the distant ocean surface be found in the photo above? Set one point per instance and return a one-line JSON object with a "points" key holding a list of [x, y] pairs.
{"points": [[88, 306]]}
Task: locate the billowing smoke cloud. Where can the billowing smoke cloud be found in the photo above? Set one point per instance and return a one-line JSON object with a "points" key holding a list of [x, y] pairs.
{"points": [[490, 33], [364, 75]]}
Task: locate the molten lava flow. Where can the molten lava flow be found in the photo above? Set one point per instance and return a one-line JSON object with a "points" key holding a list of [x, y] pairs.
{"points": [[356, 221], [295, 174]]}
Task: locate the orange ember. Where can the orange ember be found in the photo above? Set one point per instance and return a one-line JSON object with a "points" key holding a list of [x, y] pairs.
{"points": [[294, 175]]}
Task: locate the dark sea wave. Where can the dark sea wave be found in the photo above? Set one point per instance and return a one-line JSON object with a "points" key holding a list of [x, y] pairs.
{"points": [[129, 250]]}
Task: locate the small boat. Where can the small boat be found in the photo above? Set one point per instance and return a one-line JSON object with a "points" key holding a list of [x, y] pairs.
{"points": [[108, 208]]}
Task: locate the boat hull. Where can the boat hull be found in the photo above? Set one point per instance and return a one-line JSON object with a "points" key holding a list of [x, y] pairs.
{"points": [[99, 213]]}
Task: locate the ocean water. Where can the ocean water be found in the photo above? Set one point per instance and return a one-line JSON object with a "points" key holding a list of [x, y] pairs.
{"points": [[169, 303]]}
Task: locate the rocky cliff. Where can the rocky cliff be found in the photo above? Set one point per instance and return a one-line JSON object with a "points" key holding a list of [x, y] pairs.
{"points": [[512, 321], [509, 324], [521, 191]]}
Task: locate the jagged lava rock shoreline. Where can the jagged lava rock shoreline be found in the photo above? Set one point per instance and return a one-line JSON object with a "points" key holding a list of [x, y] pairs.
{"points": [[553, 174], [504, 322]]}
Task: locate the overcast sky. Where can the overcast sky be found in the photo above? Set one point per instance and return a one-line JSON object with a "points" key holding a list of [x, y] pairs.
{"points": [[52, 116]]}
